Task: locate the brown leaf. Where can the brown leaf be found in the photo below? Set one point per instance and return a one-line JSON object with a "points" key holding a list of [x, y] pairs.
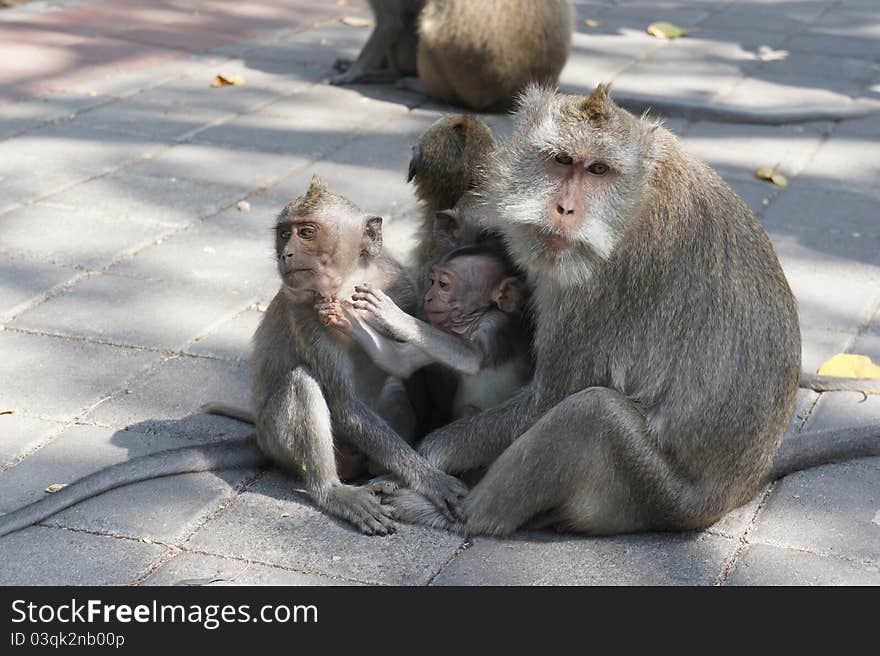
{"points": [[355, 21], [7, 412], [52, 489], [227, 80], [771, 175]]}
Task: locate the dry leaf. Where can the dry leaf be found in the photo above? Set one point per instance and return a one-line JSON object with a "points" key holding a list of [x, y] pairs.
{"points": [[52, 489], [850, 365], [285, 514], [227, 80], [668, 30], [766, 53], [243, 206], [355, 21], [590, 22], [772, 175], [7, 412], [146, 541]]}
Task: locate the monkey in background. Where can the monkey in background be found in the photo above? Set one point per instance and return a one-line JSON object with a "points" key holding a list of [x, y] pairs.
{"points": [[475, 327], [475, 54], [311, 387], [667, 343]]}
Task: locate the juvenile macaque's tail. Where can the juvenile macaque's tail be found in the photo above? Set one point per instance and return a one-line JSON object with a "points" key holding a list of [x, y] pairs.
{"points": [[819, 383], [812, 449], [230, 411], [231, 454]]}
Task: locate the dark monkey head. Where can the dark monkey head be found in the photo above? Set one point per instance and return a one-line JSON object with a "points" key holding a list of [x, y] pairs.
{"points": [[570, 181], [447, 158], [320, 240], [469, 281]]}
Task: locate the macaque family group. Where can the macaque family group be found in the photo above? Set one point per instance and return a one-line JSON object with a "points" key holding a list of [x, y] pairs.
{"points": [[597, 336]]}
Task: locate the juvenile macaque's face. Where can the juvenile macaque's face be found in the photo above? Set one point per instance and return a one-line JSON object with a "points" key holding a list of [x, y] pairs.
{"points": [[313, 256], [461, 289]]}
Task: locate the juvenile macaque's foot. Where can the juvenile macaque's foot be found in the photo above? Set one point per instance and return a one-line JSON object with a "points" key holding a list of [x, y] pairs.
{"points": [[444, 491], [361, 507], [413, 508], [383, 485]]}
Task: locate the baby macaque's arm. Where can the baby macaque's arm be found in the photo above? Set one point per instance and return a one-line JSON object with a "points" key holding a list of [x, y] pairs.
{"points": [[398, 359], [462, 355]]}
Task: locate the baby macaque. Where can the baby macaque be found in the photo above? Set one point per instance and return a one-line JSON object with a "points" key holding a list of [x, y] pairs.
{"points": [[475, 326]]}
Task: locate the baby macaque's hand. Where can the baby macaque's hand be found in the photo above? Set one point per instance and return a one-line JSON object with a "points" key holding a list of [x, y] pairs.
{"points": [[332, 313], [382, 313]]}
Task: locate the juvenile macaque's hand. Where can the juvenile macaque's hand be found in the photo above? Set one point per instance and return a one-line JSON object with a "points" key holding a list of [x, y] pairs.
{"points": [[382, 313], [332, 313]]}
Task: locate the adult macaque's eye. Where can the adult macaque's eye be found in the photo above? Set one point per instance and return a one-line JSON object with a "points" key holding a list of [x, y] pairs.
{"points": [[285, 234], [598, 168], [443, 284], [307, 232], [564, 159]]}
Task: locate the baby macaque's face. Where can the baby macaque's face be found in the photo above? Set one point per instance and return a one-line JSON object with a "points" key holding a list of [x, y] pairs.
{"points": [[462, 289]]}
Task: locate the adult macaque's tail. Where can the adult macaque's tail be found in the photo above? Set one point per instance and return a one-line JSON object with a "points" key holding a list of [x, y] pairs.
{"points": [[812, 449], [819, 383], [230, 411], [231, 454]]}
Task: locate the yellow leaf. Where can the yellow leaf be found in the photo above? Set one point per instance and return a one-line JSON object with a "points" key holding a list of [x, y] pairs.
{"points": [[52, 489], [355, 21], [668, 30], [850, 365], [590, 22], [227, 80], [7, 412], [772, 175]]}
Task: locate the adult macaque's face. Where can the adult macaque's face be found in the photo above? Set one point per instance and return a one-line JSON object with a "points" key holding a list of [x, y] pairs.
{"points": [[313, 256], [461, 289]]}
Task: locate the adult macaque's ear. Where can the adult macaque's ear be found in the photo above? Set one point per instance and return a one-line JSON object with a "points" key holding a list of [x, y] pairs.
{"points": [[447, 226], [371, 244], [510, 294], [415, 163]]}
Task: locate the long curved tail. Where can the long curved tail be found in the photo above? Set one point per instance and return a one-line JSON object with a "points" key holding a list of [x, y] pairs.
{"points": [[223, 410], [232, 454], [816, 448], [819, 383]]}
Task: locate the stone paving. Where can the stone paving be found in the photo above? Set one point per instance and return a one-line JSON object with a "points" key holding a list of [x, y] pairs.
{"points": [[131, 283]]}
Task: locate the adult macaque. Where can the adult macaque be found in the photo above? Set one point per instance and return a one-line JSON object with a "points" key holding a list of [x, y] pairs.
{"points": [[312, 387], [476, 54], [476, 328], [667, 342]]}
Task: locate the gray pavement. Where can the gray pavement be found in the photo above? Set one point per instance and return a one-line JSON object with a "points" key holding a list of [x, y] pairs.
{"points": [[130, 285]]}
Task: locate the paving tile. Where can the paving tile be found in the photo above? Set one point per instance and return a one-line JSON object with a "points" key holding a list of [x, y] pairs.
{"points": [[846, 165], [198, 569], [765, 565], [547, 559], [310, 541], [166, 509], [25, 279], [20, 433], [45, 556], [67, 234], [166, 401], [132, 311], [230, 340], [830, 510], [56, 378]]}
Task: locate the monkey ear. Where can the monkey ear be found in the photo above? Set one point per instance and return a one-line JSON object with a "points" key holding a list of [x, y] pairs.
{"points": [[447, 225], [510, 295], [415, 163], [371, 244]]}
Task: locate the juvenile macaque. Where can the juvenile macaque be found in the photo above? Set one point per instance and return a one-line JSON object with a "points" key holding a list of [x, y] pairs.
{"points": [[314, 389], [475, 327], [667, 343]]}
